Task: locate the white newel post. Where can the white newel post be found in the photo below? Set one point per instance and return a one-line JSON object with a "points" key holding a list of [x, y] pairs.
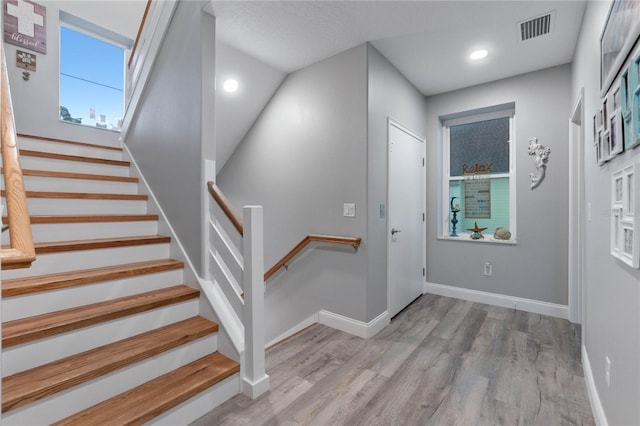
{"points": [[255, 381]]}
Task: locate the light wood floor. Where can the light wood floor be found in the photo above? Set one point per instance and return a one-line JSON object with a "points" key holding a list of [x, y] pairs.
{"points": [[441, 361]]}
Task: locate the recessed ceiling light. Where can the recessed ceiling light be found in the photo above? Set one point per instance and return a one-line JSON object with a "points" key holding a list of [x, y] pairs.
{"points": [[479, 54], [230, 85]]}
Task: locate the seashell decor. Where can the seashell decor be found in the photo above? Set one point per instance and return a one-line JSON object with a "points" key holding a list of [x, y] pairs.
{"points": [[502, 234]]}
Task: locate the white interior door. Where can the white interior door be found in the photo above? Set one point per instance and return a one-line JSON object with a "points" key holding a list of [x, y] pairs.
{"points": [[405, 220]]}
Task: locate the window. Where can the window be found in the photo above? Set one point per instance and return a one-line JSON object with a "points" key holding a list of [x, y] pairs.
{"points": [[91, 77], [479, 178]]}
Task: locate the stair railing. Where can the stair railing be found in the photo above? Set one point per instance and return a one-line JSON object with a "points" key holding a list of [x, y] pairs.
{"points": [[235, 220], [239, 275], [21, 252], [355, 242], [153, 27]]}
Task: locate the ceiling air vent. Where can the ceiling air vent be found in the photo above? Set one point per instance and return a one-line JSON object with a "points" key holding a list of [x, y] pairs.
{"points": [[536, 27]]}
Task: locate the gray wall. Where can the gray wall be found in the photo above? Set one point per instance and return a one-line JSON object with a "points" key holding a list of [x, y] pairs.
{"points": [[302, 159], [39, 116], [611, 289], [166, 135], [236, 112], [535, 268], [390, 95]]}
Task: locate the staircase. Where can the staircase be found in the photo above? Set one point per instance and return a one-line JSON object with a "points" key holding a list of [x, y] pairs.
{"points": [[101, 329]]}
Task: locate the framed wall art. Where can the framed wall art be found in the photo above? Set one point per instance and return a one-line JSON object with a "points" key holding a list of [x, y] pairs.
{"points": [[625, 203], [25, 24], [621, 30], [614, 121], [634, 98]]}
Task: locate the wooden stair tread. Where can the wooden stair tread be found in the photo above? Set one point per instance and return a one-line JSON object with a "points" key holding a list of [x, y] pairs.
{"points": [[37, 327], [151, 399], [27, 285], [98, 243], [39, 382], [67, 157], [65, 141], [70, 175], [81, 195], [90, 218]]}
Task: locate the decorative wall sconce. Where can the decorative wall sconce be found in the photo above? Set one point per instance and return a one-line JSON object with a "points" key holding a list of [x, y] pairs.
{"points": [[540, 161]]}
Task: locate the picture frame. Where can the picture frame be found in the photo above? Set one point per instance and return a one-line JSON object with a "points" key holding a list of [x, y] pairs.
{"points": [[625, 92], [616, 139], [625, 228], [606, 146], [600, 157], [634, 139], [621, 30]]}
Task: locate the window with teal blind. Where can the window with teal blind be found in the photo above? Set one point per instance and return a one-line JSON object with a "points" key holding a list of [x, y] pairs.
{"points": [[478, 181]]}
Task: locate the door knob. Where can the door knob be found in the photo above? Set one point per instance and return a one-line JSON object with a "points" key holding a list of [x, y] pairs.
{"points": [[394, 231]]}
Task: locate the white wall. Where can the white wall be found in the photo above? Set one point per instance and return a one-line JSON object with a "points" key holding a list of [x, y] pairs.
{"points": [[536, 267], [39, 115], [168, 133], [611, 288], [302, 159], [390, 95]]}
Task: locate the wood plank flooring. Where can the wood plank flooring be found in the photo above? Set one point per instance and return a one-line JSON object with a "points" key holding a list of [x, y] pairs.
{"points": [[441, 361]]}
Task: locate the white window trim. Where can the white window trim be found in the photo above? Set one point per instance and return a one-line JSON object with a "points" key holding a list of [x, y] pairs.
{"points": [[445, 179], [92, 30]]}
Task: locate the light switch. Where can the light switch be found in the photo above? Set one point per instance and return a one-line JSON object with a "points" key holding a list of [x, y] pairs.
{"points": [[349, 210]]}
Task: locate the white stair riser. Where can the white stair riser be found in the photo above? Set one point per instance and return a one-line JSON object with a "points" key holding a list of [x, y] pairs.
{"points": [[39, 163], [55, 184], [50, 263], [50, 301], [39, 352], [43, 232], [199, 405], [70, 401], [55, 206], [68, 149]]}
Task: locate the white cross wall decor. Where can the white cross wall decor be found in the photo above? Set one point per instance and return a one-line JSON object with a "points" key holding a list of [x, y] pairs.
{"points": [[27, 17], [25, 24]]}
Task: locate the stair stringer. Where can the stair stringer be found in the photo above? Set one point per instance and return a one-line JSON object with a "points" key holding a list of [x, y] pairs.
{"points": [[214, 305]]}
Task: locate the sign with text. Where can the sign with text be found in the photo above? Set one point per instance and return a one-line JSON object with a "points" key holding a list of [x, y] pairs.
{"points": [[25, 24], [477, 199]]}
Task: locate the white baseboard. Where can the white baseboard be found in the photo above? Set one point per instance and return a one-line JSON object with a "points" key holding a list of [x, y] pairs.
{"points": [[528, 305], [355, 327], [313, 319], [594, 398], [257, 388]]}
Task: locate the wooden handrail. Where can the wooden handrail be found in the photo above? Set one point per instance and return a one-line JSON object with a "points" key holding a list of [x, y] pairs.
{"points": [[135, 43], [235, 219], [224, 204], [355, 242], [21, 252]]}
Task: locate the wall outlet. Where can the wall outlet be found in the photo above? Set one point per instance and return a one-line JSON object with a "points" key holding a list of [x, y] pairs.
{"points": [[488, 269], [349, 210], [607, 371]]}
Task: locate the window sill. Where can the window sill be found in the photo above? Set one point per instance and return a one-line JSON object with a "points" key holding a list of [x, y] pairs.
{"points": [[86, 126], [488, 239]]}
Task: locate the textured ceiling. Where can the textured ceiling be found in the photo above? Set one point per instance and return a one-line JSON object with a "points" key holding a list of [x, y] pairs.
{"points": [[428, 41]]}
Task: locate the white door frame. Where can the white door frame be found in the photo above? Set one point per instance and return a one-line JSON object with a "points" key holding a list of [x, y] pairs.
{"points": [[423, 184], [576, 218]]}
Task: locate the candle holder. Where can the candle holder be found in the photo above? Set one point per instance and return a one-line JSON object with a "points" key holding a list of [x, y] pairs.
{"points": [[454, 220]]}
